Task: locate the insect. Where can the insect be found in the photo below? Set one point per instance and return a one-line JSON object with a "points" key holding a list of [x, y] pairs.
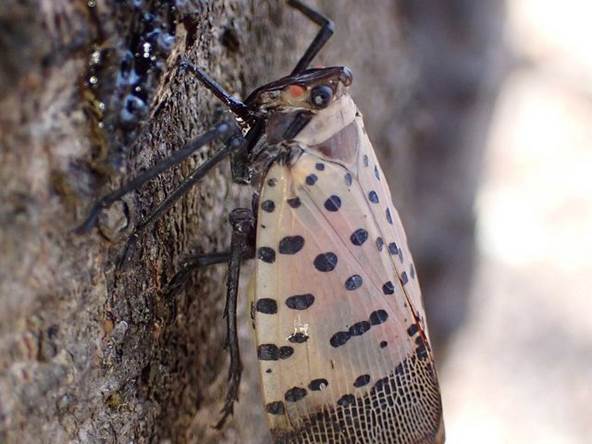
{"points": [[340, 326]]}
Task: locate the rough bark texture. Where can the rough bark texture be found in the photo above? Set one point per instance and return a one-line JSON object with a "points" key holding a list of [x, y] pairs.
{"points": [[91, 352]]}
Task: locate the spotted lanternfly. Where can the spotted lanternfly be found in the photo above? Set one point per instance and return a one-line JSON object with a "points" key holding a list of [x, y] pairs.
{"points": [[340, 326]]}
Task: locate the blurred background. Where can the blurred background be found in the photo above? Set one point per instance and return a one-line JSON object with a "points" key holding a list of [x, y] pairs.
{"points": [[520, 367]]}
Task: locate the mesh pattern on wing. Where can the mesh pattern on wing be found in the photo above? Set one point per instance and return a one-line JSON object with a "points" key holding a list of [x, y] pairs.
{"points": [[402, 408]]}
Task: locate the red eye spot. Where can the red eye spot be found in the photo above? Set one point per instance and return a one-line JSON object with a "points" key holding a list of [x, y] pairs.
{"points": [[295, 90]]}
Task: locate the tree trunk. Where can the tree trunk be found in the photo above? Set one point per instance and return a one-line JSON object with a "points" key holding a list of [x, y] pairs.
{"points": [[90, 95]]}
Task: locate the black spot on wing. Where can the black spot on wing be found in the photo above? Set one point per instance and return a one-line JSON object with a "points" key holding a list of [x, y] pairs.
{"points": [[266, 254], [311, 179], [348, 179], [393, 249], [271, 352], [412, 330], [268, 352], [275, 408], [291, 244], [294, 202], [365, 160], [285, 352], [339, 338], [325, 261], [373, 197], [362, 380], [268, 206], [359, 328], [353, 282], [389, 218], [300, 301], [318, 384], [379, 243], [266, 306], [378, 317], [333, 203], [272, 182], [388, 288], [404, 278], [298, 338], [421, 350], [320, 166], [359, 236], [295, 394]]}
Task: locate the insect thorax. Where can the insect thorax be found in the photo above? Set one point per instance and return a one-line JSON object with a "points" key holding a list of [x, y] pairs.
{"points": [[331, 134]]}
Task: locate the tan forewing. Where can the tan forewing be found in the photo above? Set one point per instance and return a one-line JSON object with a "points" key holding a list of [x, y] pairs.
{"points": [[336, 310]]}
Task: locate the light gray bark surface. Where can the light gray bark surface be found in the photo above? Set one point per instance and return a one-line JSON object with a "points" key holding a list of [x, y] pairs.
{"points": [[90, 352]]}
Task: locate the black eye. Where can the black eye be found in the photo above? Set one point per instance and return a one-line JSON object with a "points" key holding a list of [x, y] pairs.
{"points": [[320, 96]]}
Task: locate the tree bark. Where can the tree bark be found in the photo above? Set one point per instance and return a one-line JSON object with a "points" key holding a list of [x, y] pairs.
{"points": [[90, 95]]}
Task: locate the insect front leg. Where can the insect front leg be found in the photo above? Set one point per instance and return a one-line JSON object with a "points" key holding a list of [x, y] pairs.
{"points": [[227, 130], [235, 143], [240, 161], [235, 105]]}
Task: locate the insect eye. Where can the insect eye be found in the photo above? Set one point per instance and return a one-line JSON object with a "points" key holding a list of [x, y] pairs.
{"points": [[320, 96]]}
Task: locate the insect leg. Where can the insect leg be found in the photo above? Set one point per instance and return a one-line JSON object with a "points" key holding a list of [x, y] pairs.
{"points": [[194, 263], [240, 161], [242, 244], [233, 144], [236, 106], [227, 130], [324, 34]]}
